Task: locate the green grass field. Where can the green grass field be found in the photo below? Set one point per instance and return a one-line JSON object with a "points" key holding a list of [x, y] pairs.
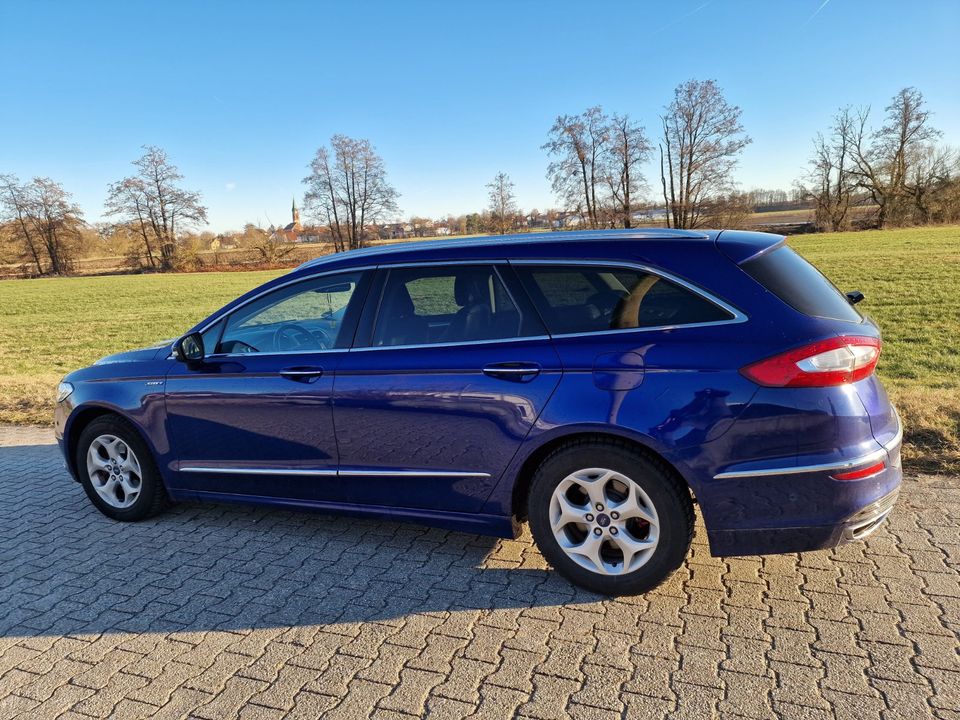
{"points": [[911, 279]]}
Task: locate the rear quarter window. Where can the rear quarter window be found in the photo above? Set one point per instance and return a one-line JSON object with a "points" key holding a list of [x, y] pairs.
{"points": [[800, 285], [578, 299]]}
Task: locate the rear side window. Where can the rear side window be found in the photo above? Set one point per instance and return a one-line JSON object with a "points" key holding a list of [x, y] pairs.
{"points": [[449, 304], [799, 284], [575, 299]]}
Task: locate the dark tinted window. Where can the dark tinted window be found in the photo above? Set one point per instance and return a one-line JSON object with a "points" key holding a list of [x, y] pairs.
{"points": [[425, 305], [590, 299], [799, 284]]}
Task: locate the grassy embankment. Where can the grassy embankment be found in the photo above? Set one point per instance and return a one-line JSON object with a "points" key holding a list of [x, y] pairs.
{"points": [[911, 279]]}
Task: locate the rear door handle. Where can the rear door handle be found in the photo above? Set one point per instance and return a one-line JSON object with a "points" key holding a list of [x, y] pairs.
{"points": [[515, 371], [301, 374]]}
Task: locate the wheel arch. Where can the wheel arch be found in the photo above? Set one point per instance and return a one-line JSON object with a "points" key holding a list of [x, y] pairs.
{"points": [[81, 419], [528, 468]]}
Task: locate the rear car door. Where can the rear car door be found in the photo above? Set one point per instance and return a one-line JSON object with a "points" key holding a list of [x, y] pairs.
{"points": [[255, 417], [640, 349], [451, 369]]}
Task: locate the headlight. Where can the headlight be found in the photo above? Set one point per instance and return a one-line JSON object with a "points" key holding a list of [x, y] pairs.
{"points": [[64, 390]]}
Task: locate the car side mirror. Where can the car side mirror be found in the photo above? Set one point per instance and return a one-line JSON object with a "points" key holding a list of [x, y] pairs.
{"points": [[854, 296], [189, 348]]}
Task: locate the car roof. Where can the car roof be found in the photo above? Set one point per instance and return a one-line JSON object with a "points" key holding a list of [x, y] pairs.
{"points": [[426, 249]]}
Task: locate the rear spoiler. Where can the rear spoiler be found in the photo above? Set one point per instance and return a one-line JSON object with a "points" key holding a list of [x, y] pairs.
{"points": [[742, 245]]}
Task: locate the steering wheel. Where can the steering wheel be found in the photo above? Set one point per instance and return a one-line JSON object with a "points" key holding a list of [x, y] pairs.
{"points": [[291, 336]]}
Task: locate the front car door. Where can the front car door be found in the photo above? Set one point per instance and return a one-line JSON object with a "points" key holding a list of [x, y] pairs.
{"points": [[451, 369], [254, 418]]}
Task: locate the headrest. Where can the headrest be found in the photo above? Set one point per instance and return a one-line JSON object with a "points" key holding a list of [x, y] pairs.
{"points": [[470, 288], [400, 302]]}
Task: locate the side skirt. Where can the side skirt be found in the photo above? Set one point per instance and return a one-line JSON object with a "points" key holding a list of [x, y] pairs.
{"points": [[493, 525]]}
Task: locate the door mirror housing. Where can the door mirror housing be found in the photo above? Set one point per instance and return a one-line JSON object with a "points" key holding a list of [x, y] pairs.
{"points": [[189, 348]]}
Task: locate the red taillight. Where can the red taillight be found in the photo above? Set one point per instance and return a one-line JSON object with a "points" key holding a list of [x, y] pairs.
{"points": [[836, 361], [861, 473]]}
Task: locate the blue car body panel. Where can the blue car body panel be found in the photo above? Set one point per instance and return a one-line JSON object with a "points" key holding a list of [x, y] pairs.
{"points": [[434, 410], [425, 434]]}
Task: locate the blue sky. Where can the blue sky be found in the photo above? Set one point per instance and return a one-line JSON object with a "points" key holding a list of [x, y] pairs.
{"points": [[241, 94]]}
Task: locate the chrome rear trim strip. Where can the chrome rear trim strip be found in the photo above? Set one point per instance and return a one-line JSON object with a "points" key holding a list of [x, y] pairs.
{"points": [[884, 452]]}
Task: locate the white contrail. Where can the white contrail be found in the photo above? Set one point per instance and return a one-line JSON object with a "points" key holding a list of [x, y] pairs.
{"points": [[673, 22], [816, 12]]}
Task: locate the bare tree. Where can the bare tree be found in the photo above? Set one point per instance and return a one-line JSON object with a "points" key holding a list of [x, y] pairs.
{"points": [[883, 159], [628, 149], [830, 184], [701, 143], [347, 189], [43, 220], [578, 143], [272, 247], [503, 204], [421, 226], [16, 212], [152, 201], [932, 182]]}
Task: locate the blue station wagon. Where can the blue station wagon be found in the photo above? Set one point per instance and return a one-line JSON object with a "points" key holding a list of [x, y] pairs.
{"points": [[596, 384]]}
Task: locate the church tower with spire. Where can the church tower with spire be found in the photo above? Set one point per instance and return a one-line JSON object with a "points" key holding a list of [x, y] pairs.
{"points": [[296, 216]]}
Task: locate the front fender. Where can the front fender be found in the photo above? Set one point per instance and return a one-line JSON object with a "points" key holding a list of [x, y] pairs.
{"points": [[138, 401]]}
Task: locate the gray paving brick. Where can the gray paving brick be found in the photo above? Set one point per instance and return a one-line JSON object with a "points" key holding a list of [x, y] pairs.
{"points": [[218, 611]]}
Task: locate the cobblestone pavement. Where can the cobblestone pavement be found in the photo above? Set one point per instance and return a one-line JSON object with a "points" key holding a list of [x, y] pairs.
{"points": [[222, 612]]}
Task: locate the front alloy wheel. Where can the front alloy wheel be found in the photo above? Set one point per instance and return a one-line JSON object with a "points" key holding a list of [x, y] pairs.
{"points": [[117, 470], [114, 471]]}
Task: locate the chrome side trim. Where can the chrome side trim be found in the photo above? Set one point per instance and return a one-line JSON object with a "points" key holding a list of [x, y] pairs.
{"points": [[413, 473], [511, 370], [259, 471], [737, 315], [651, 328], [275, 354], [885, 451], [368, 348], [335, 473]]}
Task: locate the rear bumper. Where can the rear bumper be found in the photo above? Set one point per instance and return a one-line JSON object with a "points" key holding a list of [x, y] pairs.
{"points": [[864, 504]]}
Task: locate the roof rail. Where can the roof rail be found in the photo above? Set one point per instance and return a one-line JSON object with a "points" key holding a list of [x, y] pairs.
{"points": [[521, 238]]}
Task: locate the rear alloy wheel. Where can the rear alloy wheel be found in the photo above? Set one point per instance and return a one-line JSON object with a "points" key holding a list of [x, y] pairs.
{"points": [[117, 470], [604, 521], [608, 518]]}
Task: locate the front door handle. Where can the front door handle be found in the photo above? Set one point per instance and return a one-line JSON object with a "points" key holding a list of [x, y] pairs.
{"points": [[301, 374], [515, 371]]}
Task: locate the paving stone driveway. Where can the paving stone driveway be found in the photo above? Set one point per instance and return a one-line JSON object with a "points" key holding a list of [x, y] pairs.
{"points": [[223, 612]]}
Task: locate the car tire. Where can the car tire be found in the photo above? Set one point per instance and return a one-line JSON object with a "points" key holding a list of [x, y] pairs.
{"points": [[609, 518], [118, 471]]}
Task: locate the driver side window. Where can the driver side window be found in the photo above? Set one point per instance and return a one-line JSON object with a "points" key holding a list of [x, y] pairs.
{"points": [[304, 317]]}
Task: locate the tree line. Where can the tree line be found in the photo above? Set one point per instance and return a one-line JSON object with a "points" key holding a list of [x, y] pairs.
{"points": [[898, 167], [892, 172]]}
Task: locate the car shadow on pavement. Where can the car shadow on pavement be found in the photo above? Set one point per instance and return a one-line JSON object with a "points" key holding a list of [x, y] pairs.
{"points": [[68, 570]]}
